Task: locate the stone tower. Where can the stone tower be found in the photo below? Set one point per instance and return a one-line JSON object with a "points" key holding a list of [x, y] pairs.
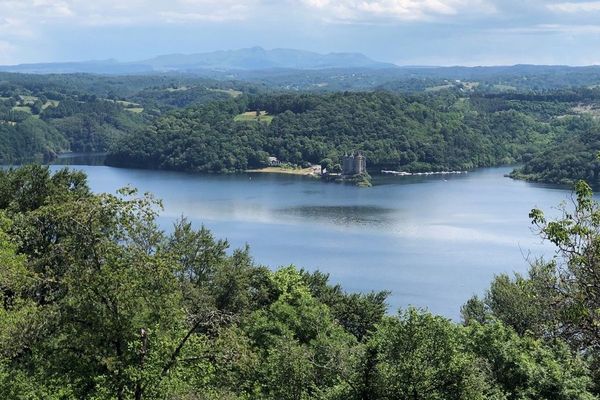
{"points": [[354, 164]]}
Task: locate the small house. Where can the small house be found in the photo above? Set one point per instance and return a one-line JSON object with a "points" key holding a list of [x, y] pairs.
{"points": [[274, 162]]}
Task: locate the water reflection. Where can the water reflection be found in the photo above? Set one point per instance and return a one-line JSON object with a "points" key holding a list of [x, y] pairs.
{"points": [[354, 215], [93, 159], [433, 241]]}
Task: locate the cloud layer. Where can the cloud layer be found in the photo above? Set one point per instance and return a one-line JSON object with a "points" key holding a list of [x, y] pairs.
{"points": [[576, 7], [445, 31], [170, 11], [404, 10], [20, 13], [105, 12]]}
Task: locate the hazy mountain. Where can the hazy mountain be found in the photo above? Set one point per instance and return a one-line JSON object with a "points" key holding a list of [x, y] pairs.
{"points": [[252, 59], [257, 58]]}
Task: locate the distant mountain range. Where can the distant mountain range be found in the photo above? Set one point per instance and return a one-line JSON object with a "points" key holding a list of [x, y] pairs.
{"points": [[252, 59], [305, 70]]}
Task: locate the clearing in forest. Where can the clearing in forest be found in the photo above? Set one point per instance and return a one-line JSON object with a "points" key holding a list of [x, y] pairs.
{"points": [[253, 116]]}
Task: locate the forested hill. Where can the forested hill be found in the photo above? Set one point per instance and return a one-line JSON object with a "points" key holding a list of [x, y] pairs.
{"points": [[43, 115], [572, 157], [184, 122], [410, 133], [40, 125], [98, 303]]}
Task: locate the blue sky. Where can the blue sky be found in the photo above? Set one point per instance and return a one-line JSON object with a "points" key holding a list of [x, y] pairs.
{"points": [[405, 32]]}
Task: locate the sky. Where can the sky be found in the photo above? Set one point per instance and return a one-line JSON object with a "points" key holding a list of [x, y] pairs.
{"points": [[404, 32]]}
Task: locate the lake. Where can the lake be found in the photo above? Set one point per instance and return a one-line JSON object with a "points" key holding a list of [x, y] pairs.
{"points": [[433, 241]]}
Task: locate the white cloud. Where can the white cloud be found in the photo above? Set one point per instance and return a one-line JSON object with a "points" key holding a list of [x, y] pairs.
{"points": [[32, 30], [408, 10], [209, 10], [180, 11], [53, 8], [124, 12], [177, 17], [36, 9], [572, 7], [131, 12]]}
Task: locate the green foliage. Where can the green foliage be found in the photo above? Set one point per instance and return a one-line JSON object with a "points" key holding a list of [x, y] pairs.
{"points": [[91, 125], [522, 367], [572, 157], [524, 303], [97, 303], [44, 115], [28, 138], [421, 356], [577, 282], [559, 301], [357, 313], [189, 123], [201, 139], [412, 133]]}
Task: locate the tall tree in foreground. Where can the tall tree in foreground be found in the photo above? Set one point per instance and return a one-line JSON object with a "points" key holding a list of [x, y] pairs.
{"points": [[560, 299]]}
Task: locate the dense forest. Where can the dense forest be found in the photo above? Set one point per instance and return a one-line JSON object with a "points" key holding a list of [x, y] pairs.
{"points": [[44, 115], [419, 132], [96, 302], [572, 157], [190, 123]]}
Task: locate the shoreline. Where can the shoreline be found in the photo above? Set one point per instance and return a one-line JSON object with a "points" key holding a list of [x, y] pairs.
{"points": [[402, 173], [285, 171]]}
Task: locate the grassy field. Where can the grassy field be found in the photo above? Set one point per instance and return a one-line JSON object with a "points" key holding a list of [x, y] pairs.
{"points": [[22, 108], [51, 103], [129, 106], [135, 110], [250, 116], [591, 110], [438, 88], [231, 92], [177, 89]]}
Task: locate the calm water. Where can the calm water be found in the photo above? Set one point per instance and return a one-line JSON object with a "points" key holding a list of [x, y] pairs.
{"points": [[433, 241]]}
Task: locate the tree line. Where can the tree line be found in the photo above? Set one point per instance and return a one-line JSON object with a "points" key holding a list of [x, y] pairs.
{"points": [[413, 133], [44, 115], [189, 123]]}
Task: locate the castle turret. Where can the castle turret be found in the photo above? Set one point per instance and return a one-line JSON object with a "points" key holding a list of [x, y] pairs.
{"points": [[354, 164], [360, 163]]}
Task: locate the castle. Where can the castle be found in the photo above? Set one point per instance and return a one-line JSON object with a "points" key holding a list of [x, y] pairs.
{"points": [[354, 164]]}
